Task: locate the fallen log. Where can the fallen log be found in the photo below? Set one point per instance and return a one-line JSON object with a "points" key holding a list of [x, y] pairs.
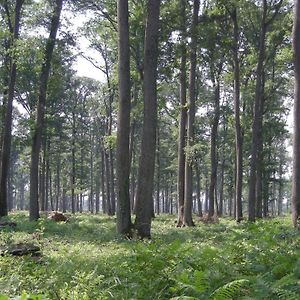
{"points": [[20, 249]]}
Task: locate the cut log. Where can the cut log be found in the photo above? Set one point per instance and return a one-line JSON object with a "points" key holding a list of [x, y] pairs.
{"points": [[58, 217], [21, 249]]}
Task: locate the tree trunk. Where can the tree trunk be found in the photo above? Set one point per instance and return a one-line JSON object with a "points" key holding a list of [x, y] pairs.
{"points": [[188, 188], [6, 137], [38, 130], [103, 194], [107, 179], [112, 182], [98, 178], [91, 198], [238, 133], [198, 186], [221, 200], [296, 140], [158, 172], [73, 174], [183, 117], [144, 200], [213, 152], [256, 122], [123, 128]]}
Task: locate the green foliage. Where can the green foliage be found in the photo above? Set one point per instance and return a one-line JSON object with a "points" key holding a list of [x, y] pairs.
{"points": [[85, 259]]}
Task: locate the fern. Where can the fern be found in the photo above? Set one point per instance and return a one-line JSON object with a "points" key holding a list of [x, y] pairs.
{"points": [[230, 289], [183, 298], [286, 294]]}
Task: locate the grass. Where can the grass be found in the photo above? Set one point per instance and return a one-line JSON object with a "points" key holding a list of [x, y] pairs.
{"points": [[85, 259]]}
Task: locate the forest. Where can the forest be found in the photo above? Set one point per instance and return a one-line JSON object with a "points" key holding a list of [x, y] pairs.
{"points": [[150, 149]]}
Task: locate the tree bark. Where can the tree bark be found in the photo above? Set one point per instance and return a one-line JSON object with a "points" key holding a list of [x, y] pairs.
{"points": [[6, 138], [123, 128], [183, 117], [144, 200], [188, 188], [198, 186], [255, 126], [213, 152], [296, 140], [38, 130], [73, 153], [238, 129], [158, 172]]}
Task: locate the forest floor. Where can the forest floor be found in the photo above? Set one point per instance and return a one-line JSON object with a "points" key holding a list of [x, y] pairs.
{"points": [[85, 259]]}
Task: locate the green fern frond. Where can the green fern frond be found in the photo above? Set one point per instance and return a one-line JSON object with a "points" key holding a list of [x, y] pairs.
{"points": [[183, 298], [229, 290], [286, 294], [288, 279]]}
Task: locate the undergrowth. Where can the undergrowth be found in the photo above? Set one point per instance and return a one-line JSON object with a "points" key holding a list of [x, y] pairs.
{"points": [[85, 259]]}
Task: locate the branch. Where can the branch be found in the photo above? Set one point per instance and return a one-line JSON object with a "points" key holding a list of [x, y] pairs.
{"points": [[10, 26], [92, 62]]}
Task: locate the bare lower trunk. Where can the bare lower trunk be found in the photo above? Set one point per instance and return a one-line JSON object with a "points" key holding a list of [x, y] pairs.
{"points": [[188, 188], [38, 130], [183, 118], [238, 133], [213, 152], [296, 141], [123, 158], [6, 142], [144, 200]]}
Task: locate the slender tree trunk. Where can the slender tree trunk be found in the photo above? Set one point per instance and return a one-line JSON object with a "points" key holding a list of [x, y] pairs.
{"points": [[123, 130], [51, 190], [112, 182], [22, 193], [108, 181], [98, 178], [259, 180], [64, 207], [47, 174], [280, 189], [144, 200], [103, 194], [221, 200], [188, 188], [206, 197], [91, 172], [183, 117], [213, 152], [296, 140], [238, 130], [43, 175], [6, 138], [37, 133], [73, 153], [158, 171], [255, 127], [198, 186], [58, 166]]}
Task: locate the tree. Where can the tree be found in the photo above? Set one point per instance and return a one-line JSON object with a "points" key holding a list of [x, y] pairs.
{"points": [[183, 117], [6, 138], [144, 200], [296, 141], [123, 130], [188, 189], [39, 125], [256, 140]]}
